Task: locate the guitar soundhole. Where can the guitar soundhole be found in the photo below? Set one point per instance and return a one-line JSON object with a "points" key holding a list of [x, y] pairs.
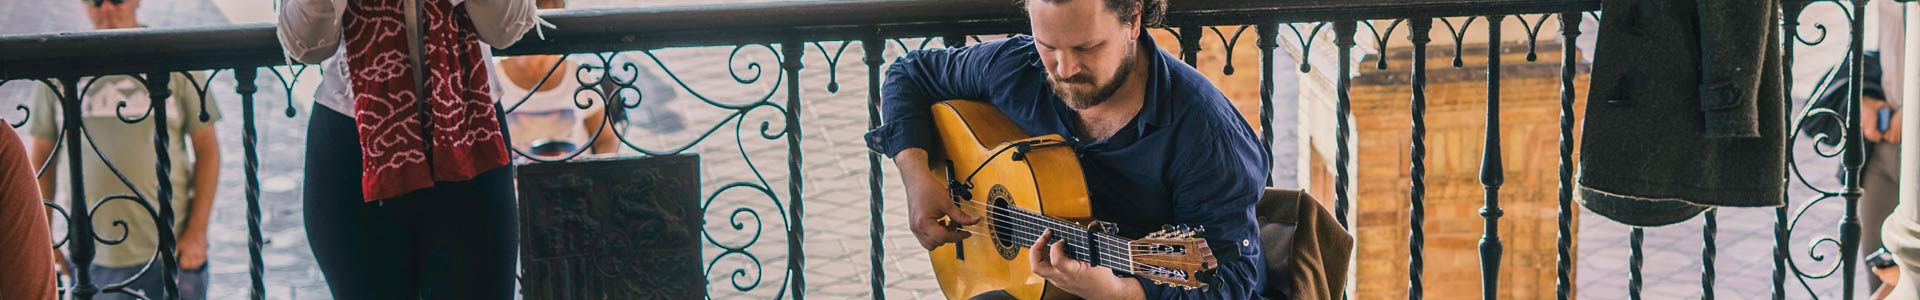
{"points": [[1004, 227]]}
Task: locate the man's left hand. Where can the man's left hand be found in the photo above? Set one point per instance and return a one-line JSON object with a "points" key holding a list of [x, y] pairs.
{"points": [[1078, 277], [192, 251]]}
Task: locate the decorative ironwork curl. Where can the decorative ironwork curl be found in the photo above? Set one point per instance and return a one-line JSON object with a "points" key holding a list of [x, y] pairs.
{"points": [[1459, 35], [1306, 43], [1381, 38], [1227, 68]]}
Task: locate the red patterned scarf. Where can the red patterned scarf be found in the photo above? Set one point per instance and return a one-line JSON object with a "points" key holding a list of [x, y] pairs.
{"points": [[459, 118]]}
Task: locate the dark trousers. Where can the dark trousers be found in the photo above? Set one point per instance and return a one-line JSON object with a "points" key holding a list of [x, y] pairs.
{"points": [[191, 283], [1880, 184], [456, 240]]}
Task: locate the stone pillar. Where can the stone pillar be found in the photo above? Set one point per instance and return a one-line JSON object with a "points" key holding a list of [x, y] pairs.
{"points": [[1901, 233], [1456, 110]]}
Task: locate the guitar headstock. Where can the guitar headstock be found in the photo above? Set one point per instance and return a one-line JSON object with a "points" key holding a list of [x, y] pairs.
{"points": [[1174, 256]]}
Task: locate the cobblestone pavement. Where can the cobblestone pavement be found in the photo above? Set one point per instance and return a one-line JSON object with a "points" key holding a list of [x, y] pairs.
{"points": [[836, 201]]}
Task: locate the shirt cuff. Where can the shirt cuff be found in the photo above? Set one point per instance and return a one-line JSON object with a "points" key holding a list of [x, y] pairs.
{"points": [[891, 138], [1152, 289]]}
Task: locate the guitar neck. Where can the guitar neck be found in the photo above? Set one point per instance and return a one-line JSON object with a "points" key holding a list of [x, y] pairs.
{"points": [[1022, 227]]}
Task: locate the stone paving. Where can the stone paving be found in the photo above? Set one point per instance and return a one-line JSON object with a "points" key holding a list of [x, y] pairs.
{"points": [[835, 189]]}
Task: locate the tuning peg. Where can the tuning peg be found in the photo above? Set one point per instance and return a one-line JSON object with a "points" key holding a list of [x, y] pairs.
{"points": [[1202, 229]]}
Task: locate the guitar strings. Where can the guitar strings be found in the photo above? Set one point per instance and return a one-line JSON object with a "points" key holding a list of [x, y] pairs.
{"points": [[1105, 240], [1010, 213], [1131, 261], [1024, 229]]}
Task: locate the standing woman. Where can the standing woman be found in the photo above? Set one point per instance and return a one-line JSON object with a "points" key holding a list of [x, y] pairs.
{"points": [[408, 198]]}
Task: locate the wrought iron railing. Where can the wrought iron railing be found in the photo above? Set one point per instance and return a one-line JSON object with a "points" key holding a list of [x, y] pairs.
{"points": [[786, 31]]}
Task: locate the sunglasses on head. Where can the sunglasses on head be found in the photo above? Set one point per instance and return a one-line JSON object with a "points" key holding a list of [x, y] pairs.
{"points": [[98, 3]]}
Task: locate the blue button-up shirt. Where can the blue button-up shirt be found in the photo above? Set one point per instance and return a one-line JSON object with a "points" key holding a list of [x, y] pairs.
{"points": [[1186, 158]]}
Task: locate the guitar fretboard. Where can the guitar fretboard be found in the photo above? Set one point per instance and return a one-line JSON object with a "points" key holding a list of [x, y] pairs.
{"points": [[1021, 227]]}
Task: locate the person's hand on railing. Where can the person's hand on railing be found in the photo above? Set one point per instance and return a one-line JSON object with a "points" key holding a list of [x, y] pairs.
{"points": [[928, 202]]}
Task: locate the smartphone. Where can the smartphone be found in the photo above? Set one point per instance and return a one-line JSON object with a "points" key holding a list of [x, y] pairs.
{"points": [[1879, 259], [1886, 113]]}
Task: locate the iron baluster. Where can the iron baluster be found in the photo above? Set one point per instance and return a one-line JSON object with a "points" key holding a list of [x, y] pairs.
{"points": [[793, 51], [1269, 39], [1707, 253], [1343, 32], [243, 79], [1636, 259], [80, 246], [875, 56], [1563, 246], [1416, 241], [159, 89], [1492, 173], [1855, 157], [1790, 19]]}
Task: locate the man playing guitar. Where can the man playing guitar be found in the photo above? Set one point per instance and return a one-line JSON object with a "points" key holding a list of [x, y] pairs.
{"points": [[1158, 143]]}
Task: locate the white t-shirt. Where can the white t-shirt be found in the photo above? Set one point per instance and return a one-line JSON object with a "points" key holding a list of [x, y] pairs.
{"points": [[550, 114]]}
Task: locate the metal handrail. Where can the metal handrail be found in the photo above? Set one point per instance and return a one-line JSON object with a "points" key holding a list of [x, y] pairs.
{"points": [[610, 29]]}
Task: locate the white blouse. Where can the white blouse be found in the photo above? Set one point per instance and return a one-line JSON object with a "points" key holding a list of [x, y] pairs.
{"points": [[309, 31]]}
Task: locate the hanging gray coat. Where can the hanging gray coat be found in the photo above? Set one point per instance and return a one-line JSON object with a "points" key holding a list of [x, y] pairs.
{"points": [[1686, 110]]}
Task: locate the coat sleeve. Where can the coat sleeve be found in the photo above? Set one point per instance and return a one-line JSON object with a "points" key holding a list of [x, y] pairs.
{"points": [[1733, 49]]}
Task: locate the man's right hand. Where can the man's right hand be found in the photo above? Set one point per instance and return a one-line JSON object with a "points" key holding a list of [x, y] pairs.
{"points": [[929, 203]]}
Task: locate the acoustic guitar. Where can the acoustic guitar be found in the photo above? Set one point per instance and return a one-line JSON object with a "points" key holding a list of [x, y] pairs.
{"points": [[1023, 185]]}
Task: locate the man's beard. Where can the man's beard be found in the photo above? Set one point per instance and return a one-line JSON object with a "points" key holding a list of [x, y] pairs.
{"points": [[1104, 91]]}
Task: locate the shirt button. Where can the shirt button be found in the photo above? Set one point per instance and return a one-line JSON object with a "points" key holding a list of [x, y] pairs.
{"points": [[1244, 243]]}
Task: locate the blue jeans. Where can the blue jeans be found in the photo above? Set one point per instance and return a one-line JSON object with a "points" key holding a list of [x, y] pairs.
{"points": [[193, 283]]}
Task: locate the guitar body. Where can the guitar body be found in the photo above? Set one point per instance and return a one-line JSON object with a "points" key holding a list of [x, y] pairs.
{"points": [[1047, 180]]}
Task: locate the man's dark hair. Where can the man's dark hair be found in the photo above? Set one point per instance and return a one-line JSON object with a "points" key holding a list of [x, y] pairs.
{"points": [[1151, 12]]}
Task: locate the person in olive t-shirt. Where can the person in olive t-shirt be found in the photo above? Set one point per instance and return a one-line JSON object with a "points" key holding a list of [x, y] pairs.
{"points": [[130, 149]]}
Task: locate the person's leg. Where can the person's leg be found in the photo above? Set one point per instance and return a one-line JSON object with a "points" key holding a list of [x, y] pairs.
{"points": [[469, 237], [1881, 188], [148, 285], [26, 255], [361, 247], [192, 283]]}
